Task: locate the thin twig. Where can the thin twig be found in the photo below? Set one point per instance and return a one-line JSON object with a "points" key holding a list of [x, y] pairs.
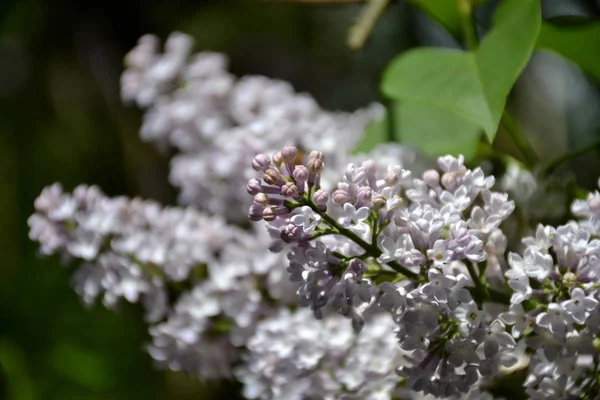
{"points": [[361, 30], [552, 165], [465, 10]]}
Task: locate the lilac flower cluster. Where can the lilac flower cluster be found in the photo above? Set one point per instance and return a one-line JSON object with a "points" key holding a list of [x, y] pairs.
{"points": [[218, 122], [400, 268], [194, 274], [415, 246], [293, 356], [554, 305]]}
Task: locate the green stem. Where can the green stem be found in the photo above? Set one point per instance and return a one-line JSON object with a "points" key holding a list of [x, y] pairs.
{"points": [[370, 248], [360, 32], [518, 137], [480, 292], [496, 296], [465, 10], [552, 165]]}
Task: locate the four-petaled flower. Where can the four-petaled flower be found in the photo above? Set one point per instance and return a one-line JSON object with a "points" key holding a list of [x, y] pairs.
{"points": [[353, 218], [307, 219]]}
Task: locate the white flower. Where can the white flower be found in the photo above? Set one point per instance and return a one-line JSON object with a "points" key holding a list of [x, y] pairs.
{"points": [[438, 286], [353, 218], [555, 319], [460, 199], [439, 254], [468, 315], [495, 338], [307, 219], [579, 306], [522, 289], [517, 318], [462, 351], [391, 295]]}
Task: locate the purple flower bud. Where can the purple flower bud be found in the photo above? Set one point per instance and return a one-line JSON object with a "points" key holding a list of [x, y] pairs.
{"points": [[341, 197], [316, 155], [300, 174], [292, 233], [370, 167], [277, 158], [451, 180], [379, 202], [273, 177], [345, 186], [392, 178], [253, 187], [431, 178], [261, 199], [321, 198], [289, 190], [261, 162], [315, 165], [268, 214], [364, 195], [356, 266], [289, 153], [255, 213]]}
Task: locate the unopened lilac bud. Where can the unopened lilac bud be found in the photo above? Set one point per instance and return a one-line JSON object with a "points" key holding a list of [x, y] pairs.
{"points": [[316, 155], [340, 197], [379, 202], [261, 162], [364, 195], [315, 165], [268, 214], [273, 177], [431, 178], [289, 190], [356, 266], [391, 178], [255, 213], [292, 233], [300, 174], [594, 203], [451, 180], [345, 186], [261, 199], [569, 279], [277, 158], [321, 198], [289, 153], [370, 167], [253, 187]]}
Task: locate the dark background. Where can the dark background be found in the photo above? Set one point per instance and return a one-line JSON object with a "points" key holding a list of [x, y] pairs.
{"points": [[61, 119]]}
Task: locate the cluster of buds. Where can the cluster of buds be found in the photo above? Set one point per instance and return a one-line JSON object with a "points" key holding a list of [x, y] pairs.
{"points": [[287, 182]]}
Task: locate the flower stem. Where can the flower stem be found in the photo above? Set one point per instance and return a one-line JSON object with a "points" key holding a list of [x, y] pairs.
{"points": [[371, 249]]}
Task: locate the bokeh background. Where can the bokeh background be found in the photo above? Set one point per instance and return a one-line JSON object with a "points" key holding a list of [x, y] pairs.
{"points": [[61, 119]]}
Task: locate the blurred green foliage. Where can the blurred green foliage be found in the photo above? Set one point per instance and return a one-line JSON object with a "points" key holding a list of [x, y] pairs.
{"points": [[61, 120]]}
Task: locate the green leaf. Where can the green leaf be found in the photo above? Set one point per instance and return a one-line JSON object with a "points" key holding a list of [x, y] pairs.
{"points": [[440, 78], [433, 130], [456, 90], [505, 51], [375, 133], [437, 131], [578, 43], [445, 12]]}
